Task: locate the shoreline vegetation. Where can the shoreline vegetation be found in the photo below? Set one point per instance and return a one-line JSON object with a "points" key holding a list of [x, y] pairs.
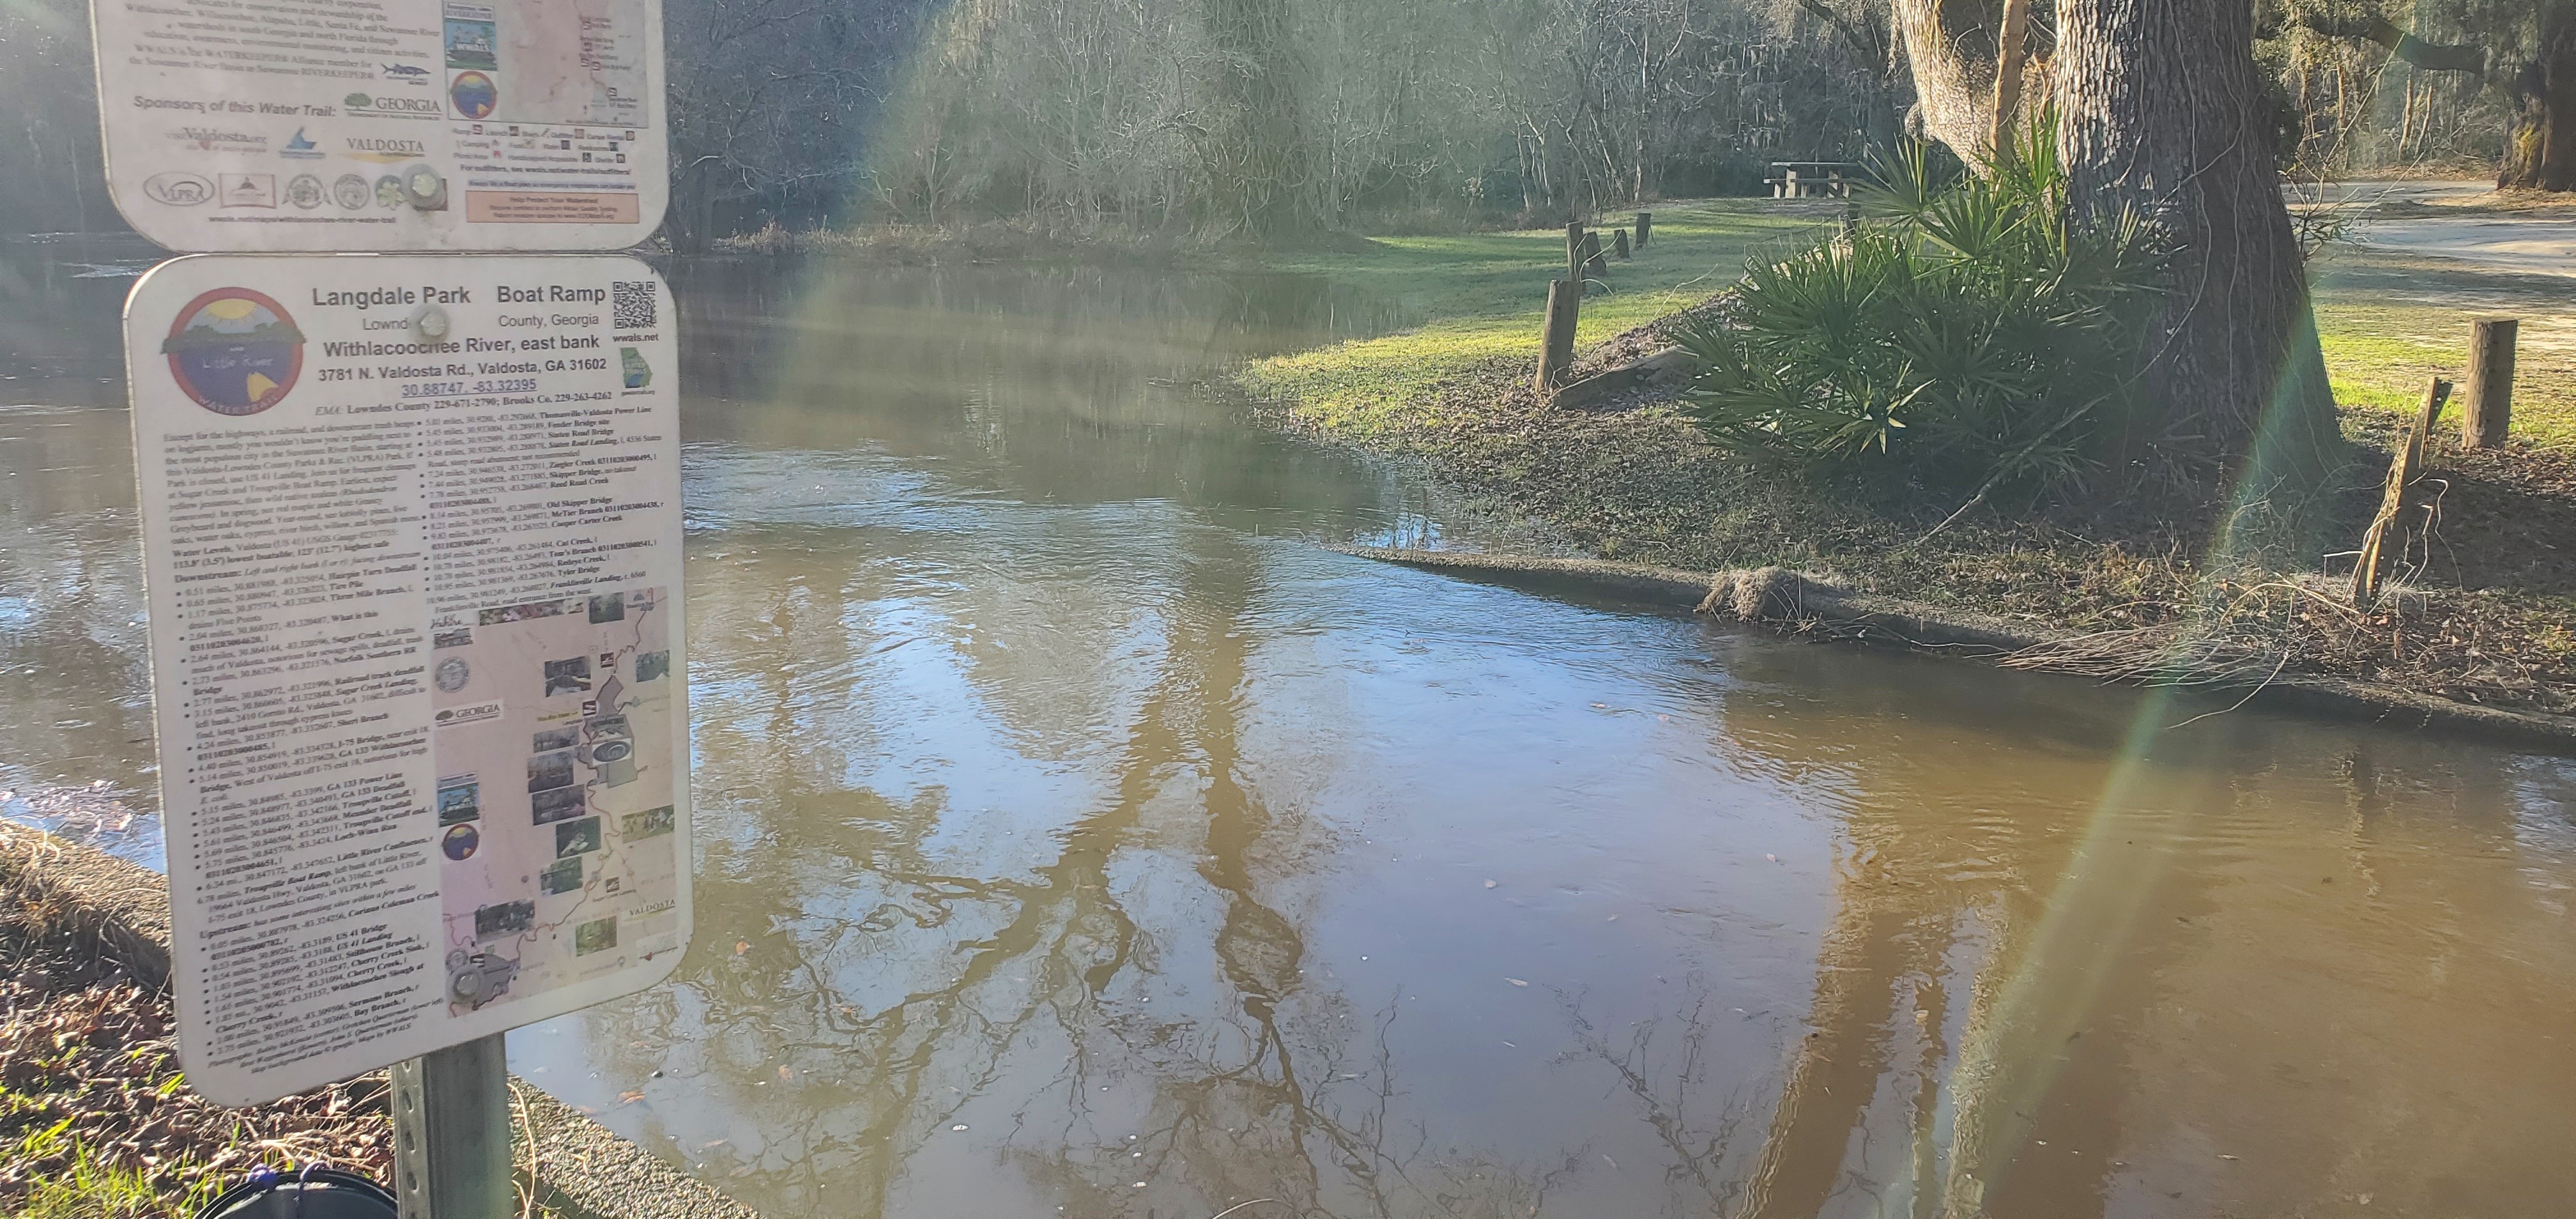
{"points": [[2482, 611]]}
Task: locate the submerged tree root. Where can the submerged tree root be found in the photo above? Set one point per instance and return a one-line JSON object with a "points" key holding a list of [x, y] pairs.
{"points": [[2224, 652]]}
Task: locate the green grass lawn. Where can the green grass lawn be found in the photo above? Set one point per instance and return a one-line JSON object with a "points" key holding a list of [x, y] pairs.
{"points": [[1483, 295], [2390, 323]]}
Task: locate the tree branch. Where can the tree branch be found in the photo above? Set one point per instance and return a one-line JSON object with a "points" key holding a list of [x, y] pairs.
{"points": [[2430, 56], [1861, 43]]}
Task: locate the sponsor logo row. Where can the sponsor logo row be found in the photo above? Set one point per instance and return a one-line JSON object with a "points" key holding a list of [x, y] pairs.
{"points": [[307, 191]]}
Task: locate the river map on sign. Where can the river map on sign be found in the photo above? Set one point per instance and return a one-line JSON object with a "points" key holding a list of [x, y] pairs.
{"points": [[555, 803], [581, 62]]}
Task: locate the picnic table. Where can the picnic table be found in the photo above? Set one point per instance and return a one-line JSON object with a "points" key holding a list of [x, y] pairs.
{"points": [[1812, 179]]}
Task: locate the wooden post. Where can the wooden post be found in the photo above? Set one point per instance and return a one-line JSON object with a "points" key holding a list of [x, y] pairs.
{"points": [[1556, 339], [1574, 250], [2015, 48], [2403, 467], [2489, 409], [1619, 242], [1645, 228], [1594, 265], [2419, 432]]}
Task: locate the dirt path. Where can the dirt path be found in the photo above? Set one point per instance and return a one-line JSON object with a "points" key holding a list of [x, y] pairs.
{"points": [[2465, 221]]}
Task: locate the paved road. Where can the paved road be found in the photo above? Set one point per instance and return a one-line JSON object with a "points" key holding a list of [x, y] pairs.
{"points": [[2526, 244]]}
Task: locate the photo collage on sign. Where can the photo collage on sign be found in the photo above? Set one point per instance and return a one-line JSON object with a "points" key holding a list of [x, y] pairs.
{"points": [[565, 703]]}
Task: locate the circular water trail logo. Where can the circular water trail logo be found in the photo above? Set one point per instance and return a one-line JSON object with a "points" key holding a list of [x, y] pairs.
{"points": [[234, 351], [474, 94]]}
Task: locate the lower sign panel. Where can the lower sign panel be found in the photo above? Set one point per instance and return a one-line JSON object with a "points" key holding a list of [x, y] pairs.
{"points": [[411, 533]]}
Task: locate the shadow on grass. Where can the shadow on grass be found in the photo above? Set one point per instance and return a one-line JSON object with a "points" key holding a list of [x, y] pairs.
{"points": [[2364, 275]]}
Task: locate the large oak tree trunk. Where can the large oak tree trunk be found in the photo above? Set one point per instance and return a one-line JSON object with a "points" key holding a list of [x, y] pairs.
{"points": [[1953, 47], [1953, 76], [2540, 151], [2161, 111]]}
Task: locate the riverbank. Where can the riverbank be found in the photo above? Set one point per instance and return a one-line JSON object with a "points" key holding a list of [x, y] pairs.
{"points": [[2485, 612], [96, 1119]]}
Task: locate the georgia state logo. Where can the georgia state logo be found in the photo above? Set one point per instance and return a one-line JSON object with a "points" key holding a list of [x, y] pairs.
{"points": [[234, 351]]}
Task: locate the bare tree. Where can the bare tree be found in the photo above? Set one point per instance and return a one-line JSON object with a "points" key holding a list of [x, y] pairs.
{"points": [[767, 99]]}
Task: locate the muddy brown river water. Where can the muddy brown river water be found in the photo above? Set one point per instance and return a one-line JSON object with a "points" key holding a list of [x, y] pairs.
{"points": [[1080, 835]]}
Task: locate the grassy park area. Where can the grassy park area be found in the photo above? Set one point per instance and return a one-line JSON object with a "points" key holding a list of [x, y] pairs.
{"points": [[2388, 321], [1483, 294], [2489, 619]]}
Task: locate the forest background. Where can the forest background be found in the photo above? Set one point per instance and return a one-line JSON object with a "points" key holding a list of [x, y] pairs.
{"points": [[1218, 120]]}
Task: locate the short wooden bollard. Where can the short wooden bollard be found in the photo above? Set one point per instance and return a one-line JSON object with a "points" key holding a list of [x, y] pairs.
{"points": [[1574, 250], [1556, 338], [1645, 228], [1619, 242], [1594, 265], [2488, 412]]}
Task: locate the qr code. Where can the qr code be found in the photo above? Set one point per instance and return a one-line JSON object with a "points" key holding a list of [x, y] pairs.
{"points": [[632, 301]]}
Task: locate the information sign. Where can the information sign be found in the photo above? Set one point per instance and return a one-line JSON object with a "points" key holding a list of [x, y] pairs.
{"points": [[384, 124], [411, 533]]}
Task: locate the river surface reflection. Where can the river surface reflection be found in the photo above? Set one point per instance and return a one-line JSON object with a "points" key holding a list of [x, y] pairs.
{"points": [[1080, 835]]}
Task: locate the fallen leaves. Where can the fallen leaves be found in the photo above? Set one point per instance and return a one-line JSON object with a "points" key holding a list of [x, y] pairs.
{"points": [[89, 1077]]}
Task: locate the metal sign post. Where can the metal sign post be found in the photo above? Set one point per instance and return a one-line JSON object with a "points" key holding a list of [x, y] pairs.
{"points": [[451, 1112]]}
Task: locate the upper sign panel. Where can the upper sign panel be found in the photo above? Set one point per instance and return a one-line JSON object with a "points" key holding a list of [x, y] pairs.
{"points": [[385, 125]]}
